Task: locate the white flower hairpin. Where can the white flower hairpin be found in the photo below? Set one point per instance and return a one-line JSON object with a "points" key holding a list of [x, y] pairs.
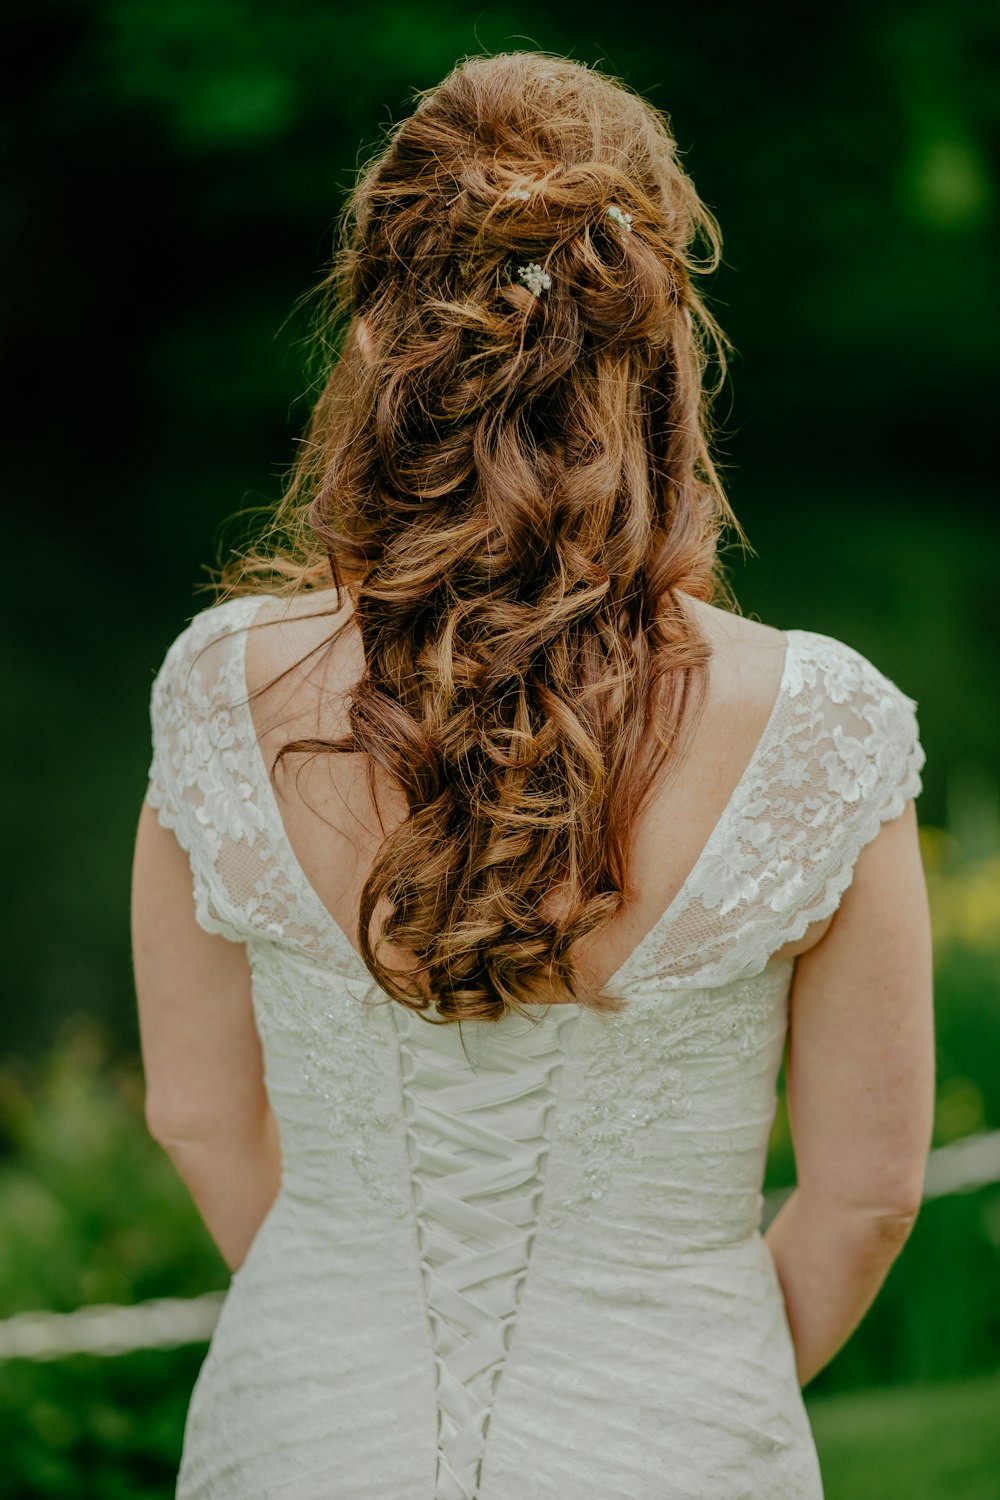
{"points": [[621, 218], [534, 278]]}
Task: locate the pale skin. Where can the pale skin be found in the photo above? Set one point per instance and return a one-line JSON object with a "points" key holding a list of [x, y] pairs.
{"points": [[860, 1062]]}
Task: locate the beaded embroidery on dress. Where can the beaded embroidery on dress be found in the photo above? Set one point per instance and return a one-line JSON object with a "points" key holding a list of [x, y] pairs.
{"points": [[530, 1266]]}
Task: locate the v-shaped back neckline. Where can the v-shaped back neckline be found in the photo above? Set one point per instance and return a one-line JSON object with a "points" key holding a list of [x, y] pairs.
{"points": [[337, 935]]}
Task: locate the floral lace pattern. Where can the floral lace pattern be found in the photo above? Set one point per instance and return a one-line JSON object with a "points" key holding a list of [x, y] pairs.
{"points": [[637, 1073]]}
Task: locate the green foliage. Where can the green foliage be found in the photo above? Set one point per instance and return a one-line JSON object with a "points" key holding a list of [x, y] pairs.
{"points": [[235, 76], [179, 166]]}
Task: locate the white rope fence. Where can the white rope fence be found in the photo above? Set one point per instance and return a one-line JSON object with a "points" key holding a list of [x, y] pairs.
{"points": [[112, 1329], [963, 1165], [169, 1322]]}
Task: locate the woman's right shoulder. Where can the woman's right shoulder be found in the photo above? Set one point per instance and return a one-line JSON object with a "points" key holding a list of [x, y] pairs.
{"points": [[301, 659], [852, 737], [846, 684]]}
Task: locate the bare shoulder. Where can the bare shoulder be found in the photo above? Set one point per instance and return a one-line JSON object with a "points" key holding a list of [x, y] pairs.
{"points": [[289, 671], [747, 655], [737, 631], [287, 629]]}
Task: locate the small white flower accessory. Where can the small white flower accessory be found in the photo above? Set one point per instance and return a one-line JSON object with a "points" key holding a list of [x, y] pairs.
{"points": [[534, 278], [621, 218]]}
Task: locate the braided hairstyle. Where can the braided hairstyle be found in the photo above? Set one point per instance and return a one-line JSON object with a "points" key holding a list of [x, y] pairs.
{"points": [[508, 465]]}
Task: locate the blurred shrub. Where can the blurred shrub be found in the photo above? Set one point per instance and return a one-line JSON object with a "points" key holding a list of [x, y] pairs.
{"points": [[95, 1429], [91, 1210]]}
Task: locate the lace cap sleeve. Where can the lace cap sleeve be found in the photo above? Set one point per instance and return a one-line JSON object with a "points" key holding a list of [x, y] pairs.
{"points": [[868, 742], [196, 748], [866, 759]]}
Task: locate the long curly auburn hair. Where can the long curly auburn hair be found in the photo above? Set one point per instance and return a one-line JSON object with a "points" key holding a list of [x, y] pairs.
{"points": [[512, 479]]}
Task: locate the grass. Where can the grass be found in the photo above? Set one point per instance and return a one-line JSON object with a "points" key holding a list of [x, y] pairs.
{"points": [[930, 1442]]}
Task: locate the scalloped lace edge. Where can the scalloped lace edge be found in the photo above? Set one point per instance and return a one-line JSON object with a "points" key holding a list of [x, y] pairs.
{"points": [[837, 883], [160, 800]]}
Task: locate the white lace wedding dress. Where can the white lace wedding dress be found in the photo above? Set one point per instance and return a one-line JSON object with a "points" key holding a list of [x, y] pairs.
{"points": [[530, 1268]]}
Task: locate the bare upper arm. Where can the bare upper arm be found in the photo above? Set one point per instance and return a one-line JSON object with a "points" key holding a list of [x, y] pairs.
{"points": [[861, 1040], [200, 1048]]}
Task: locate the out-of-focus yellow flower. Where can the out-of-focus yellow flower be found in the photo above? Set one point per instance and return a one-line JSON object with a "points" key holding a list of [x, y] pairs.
{"points": [[959, 1111], [964, 895]]}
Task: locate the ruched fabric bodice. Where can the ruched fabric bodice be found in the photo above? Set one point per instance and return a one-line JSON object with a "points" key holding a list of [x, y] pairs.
{"points": [[522, 1259]]}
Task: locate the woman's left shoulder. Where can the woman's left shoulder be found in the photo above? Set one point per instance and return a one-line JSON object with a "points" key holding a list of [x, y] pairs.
{"points": [[191, 650]]}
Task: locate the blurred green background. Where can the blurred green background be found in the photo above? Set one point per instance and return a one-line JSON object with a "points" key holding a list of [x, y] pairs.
{"points": [[174, 170]]}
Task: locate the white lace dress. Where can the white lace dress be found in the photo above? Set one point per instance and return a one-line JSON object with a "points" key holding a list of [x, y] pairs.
{"points": [[530, 1268]]}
